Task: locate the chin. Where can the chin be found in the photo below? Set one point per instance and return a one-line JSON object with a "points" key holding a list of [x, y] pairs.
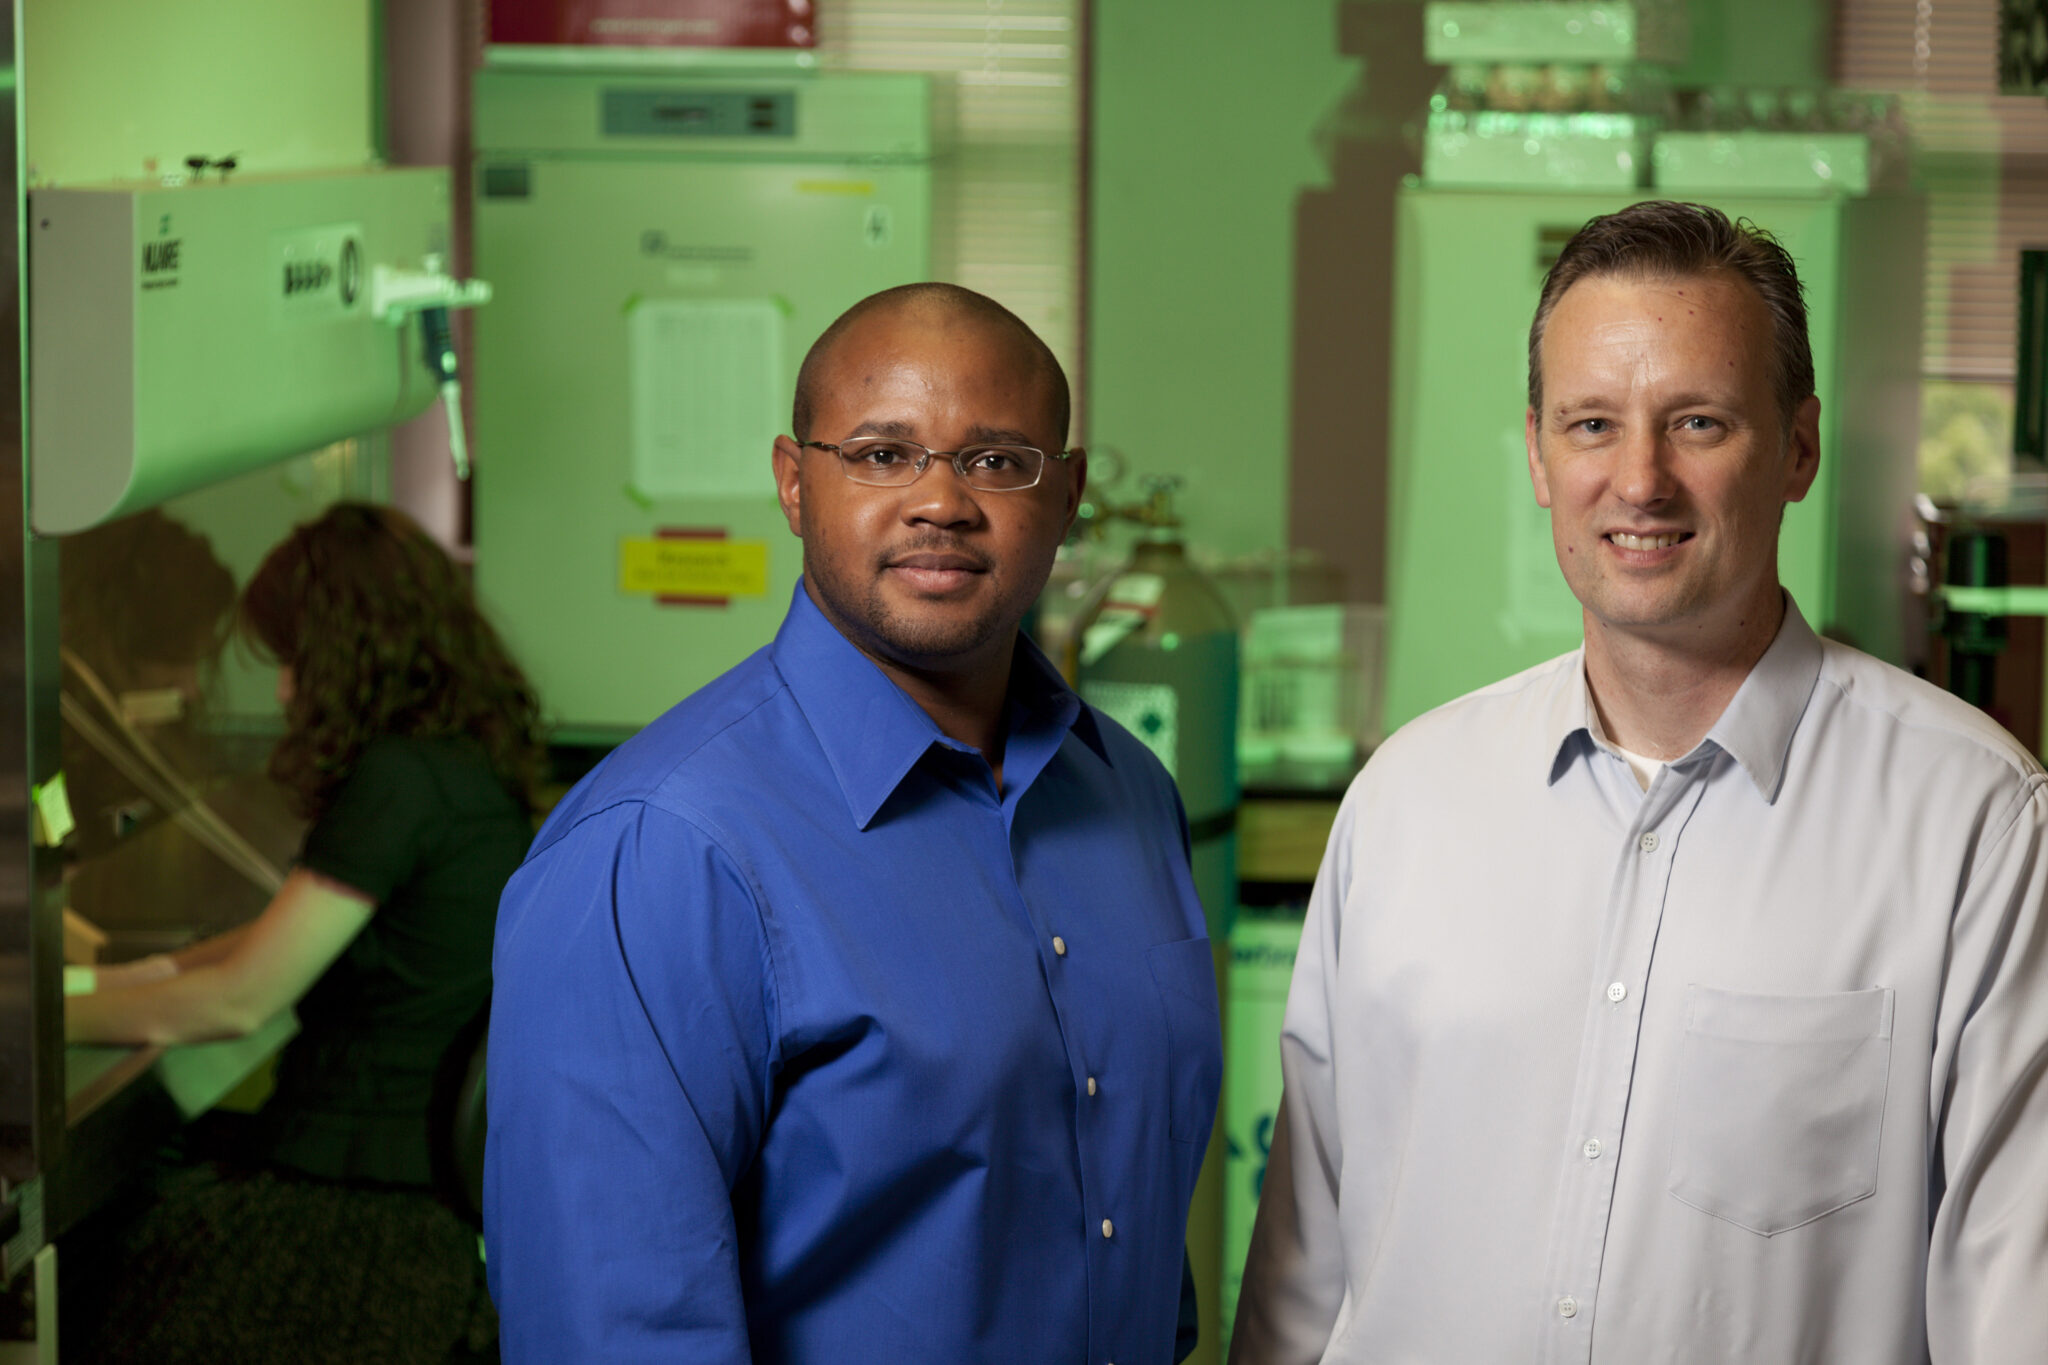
{"points": [[940, 644], [926, 642]]}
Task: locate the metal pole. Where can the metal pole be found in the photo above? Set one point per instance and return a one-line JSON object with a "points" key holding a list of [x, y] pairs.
{"points": [[32, 1124]]}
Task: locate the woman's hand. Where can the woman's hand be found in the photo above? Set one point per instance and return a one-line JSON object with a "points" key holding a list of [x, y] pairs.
{"points": [[140, 972], [225, 987]]}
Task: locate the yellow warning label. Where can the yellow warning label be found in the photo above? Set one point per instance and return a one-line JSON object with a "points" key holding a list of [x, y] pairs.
{"points": [[859, 188], [693, 568]]}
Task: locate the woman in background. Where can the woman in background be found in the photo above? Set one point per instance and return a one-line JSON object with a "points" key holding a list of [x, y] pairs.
{"points": [[413, 745], [145, 606]]}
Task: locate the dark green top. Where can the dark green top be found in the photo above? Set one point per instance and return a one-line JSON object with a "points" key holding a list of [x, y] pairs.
{"points": [[427, 830]]}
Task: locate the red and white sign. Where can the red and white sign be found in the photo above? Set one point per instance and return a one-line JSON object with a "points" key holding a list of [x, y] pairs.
{"points": [[654, 23]]}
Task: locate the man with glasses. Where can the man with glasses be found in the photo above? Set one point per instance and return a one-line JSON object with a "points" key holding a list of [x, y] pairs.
{"points": [[860, 1008], [1683, 999]]}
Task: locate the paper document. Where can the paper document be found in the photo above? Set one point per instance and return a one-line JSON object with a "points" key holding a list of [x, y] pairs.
{"points": [[708, 396]]}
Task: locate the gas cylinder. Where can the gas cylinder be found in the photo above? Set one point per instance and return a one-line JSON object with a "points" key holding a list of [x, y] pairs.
{"points": [[1158, 654]]}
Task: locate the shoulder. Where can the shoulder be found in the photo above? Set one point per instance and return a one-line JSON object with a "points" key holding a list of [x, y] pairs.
{"points": [[389, 757], [457, 761], [644, 861], [424, 774], [1917, 712], [721, 736], [1484, 751], [645, 840], [1514, 712], [393, 774]]}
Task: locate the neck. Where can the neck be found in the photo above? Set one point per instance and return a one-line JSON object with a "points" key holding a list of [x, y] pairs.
{"points": [[966, 704], [965, 696], [1659, 696]]}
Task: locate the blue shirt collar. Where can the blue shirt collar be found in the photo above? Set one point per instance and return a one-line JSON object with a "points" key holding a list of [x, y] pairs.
{"points": [[1755, 730], [873, 734]]}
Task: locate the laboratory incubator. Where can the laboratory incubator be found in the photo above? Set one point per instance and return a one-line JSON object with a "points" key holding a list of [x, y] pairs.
{"points": [[665, 246]]}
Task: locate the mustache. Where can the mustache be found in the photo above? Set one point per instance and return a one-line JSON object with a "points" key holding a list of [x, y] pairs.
{"points": [[948, 546]]}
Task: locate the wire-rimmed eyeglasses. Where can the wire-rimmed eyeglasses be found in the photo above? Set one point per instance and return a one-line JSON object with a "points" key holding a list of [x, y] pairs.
{"points": [[889, 462]]}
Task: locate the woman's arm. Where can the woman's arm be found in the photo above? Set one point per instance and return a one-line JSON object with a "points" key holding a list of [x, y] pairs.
{"points": [[229, 984], [211, 949], [157, 966]]}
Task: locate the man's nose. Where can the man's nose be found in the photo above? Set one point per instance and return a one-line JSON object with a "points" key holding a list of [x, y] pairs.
{"points": [[1642, 472], [941, 496]]}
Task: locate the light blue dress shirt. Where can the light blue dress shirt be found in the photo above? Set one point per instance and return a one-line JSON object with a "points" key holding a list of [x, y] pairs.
{"points": [[809, 1045], [1751, 1066]]}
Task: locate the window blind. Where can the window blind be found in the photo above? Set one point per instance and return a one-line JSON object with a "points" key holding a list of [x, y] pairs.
{"points": [[1006, 130], [1983, 159]]}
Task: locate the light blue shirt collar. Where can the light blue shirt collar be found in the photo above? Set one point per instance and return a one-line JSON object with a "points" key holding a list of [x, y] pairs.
{"points": [[1755, 730]]}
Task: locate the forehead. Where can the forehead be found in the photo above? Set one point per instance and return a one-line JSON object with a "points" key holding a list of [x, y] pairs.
{"points": [[904, 353], [1700, 327]]}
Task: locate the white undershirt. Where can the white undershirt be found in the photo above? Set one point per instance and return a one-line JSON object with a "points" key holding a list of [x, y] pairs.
{"points": [[1642, 765]]}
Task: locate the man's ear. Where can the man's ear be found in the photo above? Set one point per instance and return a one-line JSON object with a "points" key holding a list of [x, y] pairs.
{"points": [[1804, 440], [788, 458], [1077, 484], [1538, 480]]}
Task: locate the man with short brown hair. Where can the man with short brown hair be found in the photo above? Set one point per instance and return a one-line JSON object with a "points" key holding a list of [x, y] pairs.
{"points": [[1684, 998]]}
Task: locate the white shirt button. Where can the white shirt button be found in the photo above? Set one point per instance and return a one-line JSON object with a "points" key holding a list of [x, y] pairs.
{"points": [[1567, 1307], [1617, 992], [1648, 843], [1108, 1228], [1059, 945], [1592, 1149], [1091, 1085]]}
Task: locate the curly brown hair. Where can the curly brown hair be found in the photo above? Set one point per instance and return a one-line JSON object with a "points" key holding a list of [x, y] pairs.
{"points": [[383, 637], [140, 594]]}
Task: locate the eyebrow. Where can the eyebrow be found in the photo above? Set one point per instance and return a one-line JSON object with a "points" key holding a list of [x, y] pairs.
{"points": [[976, 435], [998, 436], [902, 431], [1696, 399]]}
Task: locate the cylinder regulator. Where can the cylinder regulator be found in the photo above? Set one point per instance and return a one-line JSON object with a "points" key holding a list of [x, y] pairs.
{"points": [[1158, 653]]}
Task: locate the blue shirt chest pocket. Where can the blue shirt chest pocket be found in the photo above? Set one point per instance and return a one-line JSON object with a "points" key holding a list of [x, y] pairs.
{"points": [[1185, 975]]}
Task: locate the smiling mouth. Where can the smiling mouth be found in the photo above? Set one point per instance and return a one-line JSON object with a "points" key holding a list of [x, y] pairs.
{"points": [[1661, 541]]}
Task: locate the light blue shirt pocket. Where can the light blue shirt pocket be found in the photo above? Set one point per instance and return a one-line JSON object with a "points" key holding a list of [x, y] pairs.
{"points": [[1780, 1104]]}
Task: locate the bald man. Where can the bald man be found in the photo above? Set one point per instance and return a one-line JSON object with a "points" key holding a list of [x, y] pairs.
{"points": [[860, 1008]]}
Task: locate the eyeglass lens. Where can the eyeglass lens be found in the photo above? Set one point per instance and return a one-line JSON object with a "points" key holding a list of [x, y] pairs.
{"points": [[993, 468]]}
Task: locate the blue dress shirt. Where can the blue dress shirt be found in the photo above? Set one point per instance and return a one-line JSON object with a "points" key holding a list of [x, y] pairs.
{"points": [[809, 1045]]}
